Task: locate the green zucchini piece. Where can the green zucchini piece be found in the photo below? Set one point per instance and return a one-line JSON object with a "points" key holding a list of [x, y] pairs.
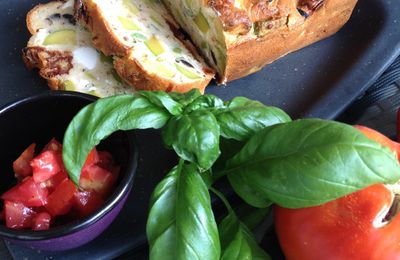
{"points": [[94, 93], [65, 36], [164, 71], [154, 45], [68, 85], [177, 50], [139, 36], [128, 24], [186, 72], [202, 23], [90, 75]]}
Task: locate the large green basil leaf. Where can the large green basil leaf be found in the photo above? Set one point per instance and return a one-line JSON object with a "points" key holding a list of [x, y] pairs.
{"points": [[181, 224], [237, 241], [100, 119], [162, 99], [243, 117], [309, 162], [194, 137], [205, 102]]}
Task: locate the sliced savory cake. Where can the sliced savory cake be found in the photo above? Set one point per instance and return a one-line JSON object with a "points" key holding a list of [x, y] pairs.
{"points": [[238, 37], [62, 50], [145, 39]]}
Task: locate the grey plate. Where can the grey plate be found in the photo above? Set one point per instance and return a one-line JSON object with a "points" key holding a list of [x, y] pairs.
{"points": [[319, 81]]}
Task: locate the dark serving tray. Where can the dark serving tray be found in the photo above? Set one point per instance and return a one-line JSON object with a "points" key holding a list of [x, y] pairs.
{"points": [[317, 81]]}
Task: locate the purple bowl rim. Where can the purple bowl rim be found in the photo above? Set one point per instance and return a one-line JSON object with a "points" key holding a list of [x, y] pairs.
{"points": [[125, 184]]}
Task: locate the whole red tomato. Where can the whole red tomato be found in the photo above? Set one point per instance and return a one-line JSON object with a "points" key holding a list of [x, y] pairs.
{"points": [[363, 225]]}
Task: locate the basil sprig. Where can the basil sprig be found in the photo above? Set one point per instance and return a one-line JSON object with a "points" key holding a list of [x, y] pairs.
{"points": [[189, 123], [266, 157]]}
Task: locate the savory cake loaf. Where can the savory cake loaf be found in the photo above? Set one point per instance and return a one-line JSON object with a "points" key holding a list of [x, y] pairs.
{"points": [[63, 51], [238, 37], [143, 37]]}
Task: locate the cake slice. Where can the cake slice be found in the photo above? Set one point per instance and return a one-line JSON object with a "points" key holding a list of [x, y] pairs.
{"points": [[239, 37], [63, 52], [150, 51]]}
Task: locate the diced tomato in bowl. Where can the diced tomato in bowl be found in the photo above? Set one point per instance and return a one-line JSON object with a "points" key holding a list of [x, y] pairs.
{"points": [[45, 165], [52, 183], [98, 179], [41, 221], [61, 200], [17, 215], [86, 202], [46, 192], [27, 192], [38, 119]]}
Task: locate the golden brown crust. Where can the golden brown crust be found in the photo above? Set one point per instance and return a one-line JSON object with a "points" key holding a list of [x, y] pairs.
{"points": [[103, 37], [249, 56], [239, 20], [234, 20], [135, 75], [262, 11], [50, 63]]}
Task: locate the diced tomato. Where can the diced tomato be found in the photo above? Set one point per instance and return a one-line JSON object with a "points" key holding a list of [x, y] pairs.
{"points": [[21, 165], [45, 165], [28, 192], [46, 192], [53, 146], [60, 201], [86, 202], [17, 215], [41, 221], [92, 158], [56, 147], [55, 180], [95, 178]]}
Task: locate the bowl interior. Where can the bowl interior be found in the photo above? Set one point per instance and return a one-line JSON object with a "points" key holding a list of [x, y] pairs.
{"points": [[40, 118]]}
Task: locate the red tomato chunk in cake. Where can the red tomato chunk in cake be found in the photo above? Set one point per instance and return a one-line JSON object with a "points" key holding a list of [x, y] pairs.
{"points": [[44, 196]]}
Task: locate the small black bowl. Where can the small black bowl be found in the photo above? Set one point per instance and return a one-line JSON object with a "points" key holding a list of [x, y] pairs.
{"points": [[38, 119]]}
